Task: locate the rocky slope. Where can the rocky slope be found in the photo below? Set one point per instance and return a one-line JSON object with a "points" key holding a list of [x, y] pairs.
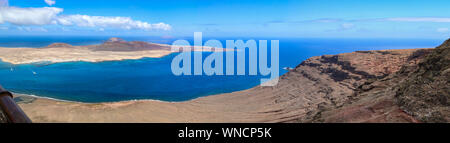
{"points": [[418, 92], [425, 93], [59, 45], [331, 82], [117, 44]]}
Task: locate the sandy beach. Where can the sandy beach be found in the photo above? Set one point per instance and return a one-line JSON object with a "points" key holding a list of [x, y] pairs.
{"points": [[58, 55], [218, 108]]}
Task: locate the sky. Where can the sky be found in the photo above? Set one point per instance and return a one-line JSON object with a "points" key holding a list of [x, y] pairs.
{"points": [[228, 18]]}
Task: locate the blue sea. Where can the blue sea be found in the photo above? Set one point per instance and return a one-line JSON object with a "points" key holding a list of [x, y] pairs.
{"points": [[151, 78]]}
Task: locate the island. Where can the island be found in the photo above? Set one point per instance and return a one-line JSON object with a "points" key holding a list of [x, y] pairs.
{"points": [[115, 49]]}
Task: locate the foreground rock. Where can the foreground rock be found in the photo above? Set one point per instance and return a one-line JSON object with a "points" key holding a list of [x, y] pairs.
{"points": [[364, 86], [425, 93], [418, 92]]}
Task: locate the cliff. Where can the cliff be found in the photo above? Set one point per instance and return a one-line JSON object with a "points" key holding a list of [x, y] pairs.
{"points": [[417, 92], [330, 88], [425, 93]]}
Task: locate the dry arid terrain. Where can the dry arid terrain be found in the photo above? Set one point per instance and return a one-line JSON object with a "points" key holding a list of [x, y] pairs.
{"points": [[365, 86], [114, 49]]}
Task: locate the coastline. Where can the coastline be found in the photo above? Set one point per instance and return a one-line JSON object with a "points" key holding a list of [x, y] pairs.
{"points": [[58, 55], [132, 100], [108, 51], [154, 100], [257, 104], [184, 111]]}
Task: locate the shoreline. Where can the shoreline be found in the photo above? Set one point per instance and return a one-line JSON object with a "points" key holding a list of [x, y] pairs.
{"points": [[155, 100], [286, 102], [111, 50], [20, 56], [158, 55], [50, 63], [16, 95]]}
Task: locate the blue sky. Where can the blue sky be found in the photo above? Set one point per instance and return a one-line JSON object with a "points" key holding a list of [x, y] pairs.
{"points": [[230, 18]]}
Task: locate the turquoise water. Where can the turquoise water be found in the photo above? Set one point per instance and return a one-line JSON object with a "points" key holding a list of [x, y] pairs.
{"points": [[151, 78]]}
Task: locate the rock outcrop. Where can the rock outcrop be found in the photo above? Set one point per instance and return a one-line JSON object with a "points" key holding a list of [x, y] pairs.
{"points": [[331, 82], [115, 39], [417, 92], [59, 45], [117, 44], [425, 93]]}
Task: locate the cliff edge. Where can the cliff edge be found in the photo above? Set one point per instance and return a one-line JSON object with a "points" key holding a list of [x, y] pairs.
{"points": [[417, 92], [425, 93]]}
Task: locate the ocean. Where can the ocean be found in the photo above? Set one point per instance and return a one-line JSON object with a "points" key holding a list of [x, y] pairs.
{"points": [[151, 78]]}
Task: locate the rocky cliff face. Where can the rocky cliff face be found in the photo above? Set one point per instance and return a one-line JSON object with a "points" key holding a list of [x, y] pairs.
{"points": [[349, 87], [3, 118], [425, 93], [377, 86], [331, 82]]}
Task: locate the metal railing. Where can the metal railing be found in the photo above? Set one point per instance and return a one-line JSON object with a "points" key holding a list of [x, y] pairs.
{"points": [[10, 110]]}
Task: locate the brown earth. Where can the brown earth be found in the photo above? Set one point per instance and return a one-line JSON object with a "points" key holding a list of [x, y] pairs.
{"points": [[418, 92], [117, 44], [59, 45]]}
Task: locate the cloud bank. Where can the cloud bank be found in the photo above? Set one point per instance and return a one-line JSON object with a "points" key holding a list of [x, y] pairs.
{"points": [[28, 16], [52, 16], [109, 22]]}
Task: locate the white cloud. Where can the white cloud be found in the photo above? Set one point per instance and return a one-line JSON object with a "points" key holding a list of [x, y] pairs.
{"points": [[50, 2], [29, 16], [443, 30], [51, 15], [419, 19], [109, 22]]}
